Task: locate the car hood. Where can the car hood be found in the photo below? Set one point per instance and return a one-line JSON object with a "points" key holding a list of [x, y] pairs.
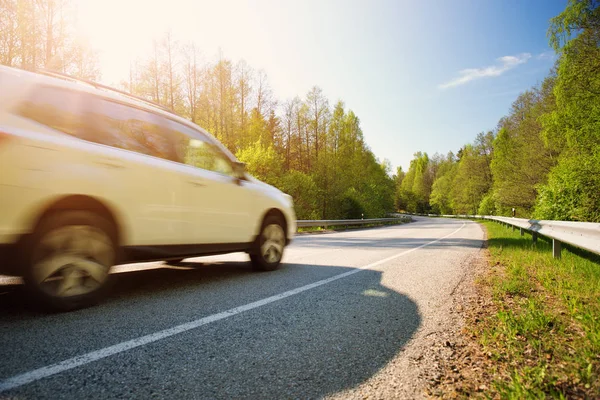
{"points": [[261, 183]]}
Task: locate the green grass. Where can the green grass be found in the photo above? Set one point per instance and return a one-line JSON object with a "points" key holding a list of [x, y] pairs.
{"points": [[544, 332]]}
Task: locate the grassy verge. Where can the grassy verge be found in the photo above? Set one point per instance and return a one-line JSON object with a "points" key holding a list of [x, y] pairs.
{"points": [[542, 333]]}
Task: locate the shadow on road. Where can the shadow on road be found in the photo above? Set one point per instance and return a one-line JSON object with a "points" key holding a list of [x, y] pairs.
{"points": [[309, 345], [391, 243]]}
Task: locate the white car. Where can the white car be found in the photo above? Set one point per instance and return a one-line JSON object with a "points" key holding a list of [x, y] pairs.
{"points": [[91, 177]]}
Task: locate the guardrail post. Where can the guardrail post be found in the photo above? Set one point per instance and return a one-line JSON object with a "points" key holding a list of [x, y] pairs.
{"points": [[522, 231], [534, 237], [325, 225], [556, 247], [513, 228]]}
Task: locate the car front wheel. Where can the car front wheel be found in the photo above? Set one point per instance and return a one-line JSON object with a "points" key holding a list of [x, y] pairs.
{"points": [[69, 259], [269, 246]]}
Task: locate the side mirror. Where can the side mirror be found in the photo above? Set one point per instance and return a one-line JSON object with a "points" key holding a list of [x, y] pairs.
{"points": [[239, 168]]}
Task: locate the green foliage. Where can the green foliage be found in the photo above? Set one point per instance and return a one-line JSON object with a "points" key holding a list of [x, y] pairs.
{"points": [[422, 182], [262, 162], [351, 207], [440, 193], [447, 185], [487, 205], [544, 158], [573, 187], [471, 183], [257, 131], [579, 14], [521, 159], [578, 94], [398, 178], [416, 186], [573, 190], [303, 189]]}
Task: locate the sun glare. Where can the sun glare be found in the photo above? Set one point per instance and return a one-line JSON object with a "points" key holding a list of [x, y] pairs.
{"points": [[122, 31]]}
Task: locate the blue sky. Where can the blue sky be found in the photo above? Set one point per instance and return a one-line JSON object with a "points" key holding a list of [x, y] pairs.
{"points": [[396, 63]]}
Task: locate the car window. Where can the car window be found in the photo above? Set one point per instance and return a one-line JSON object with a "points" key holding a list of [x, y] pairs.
{"points": [[99, 120], [56, 108], [106, 122], [199, 151], [129, 128]]}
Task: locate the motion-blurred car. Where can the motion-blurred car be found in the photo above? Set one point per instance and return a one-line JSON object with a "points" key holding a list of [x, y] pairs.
{"points": [[91, 176]]}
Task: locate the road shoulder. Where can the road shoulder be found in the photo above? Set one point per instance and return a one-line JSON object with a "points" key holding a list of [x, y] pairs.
{"points": [[427, 367]]}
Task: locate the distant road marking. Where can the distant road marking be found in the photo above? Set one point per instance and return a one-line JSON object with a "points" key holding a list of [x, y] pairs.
{"points": [[78, 361]]}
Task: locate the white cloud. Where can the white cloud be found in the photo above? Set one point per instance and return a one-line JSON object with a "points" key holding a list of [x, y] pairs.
{"points": [[470, 74], [546, 55]]}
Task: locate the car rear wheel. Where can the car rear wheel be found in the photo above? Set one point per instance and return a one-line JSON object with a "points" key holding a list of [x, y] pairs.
{"points": [[69, 259], [269, 246]]}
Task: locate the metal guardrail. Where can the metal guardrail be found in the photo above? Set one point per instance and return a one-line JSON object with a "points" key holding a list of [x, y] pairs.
{"points": [[584, 235], [346, 222]]}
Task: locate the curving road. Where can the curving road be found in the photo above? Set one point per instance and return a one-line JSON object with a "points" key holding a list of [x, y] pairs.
{"points": [[339, 315]]}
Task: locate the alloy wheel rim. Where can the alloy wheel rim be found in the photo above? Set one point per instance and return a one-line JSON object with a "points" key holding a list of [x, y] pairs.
{"points": [[273, 242], [72, 261]]}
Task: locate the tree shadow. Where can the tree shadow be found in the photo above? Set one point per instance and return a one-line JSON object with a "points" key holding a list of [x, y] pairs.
{"points": [[319, 342]]}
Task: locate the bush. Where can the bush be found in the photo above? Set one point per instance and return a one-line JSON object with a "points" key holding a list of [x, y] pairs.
{"points": [[573, 190], [487, 206], [351, 207], [303, 189]]}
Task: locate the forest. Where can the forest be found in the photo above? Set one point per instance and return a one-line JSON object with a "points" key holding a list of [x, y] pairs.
{"points": [[543, 158], [307, 146]]}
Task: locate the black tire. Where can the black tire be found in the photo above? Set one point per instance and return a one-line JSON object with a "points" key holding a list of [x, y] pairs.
{"points": [[87, 250], [269, 246]]}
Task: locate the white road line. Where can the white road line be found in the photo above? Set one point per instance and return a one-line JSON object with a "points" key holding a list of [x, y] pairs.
{"points": [[78, 361], [297, 257]]}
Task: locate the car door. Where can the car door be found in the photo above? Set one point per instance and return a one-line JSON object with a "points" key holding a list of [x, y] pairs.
{"points": [[120, 160], [141, 161], [217, 205]]}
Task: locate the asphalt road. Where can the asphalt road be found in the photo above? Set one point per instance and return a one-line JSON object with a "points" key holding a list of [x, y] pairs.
{"points": [[342, 308]]}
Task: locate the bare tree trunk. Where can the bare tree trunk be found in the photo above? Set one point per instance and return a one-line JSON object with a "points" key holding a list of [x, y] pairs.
{"points": [[130, 78], [243, 81], [168, 43], [155, 77], [49, 31]]}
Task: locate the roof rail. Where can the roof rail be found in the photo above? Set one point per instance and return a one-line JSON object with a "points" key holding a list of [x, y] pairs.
{"points": [[101, 86]]}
